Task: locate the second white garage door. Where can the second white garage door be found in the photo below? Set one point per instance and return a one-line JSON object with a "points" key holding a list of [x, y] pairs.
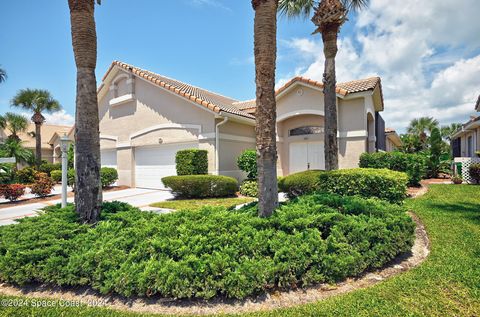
{"points": [[153, 163]]}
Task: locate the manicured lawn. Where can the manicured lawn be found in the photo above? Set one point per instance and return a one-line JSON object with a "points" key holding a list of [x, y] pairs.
{"points": [[446, 284], [193, 204]]}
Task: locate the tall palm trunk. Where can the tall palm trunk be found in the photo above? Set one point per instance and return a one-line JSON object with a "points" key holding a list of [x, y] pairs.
{"points": [[88, 194], [329, 37], [265, 49], [38, 119]]}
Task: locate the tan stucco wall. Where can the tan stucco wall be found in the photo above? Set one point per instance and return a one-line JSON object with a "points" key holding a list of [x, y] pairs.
{"points": [[298, 99], [349, 151], [352, 115]]}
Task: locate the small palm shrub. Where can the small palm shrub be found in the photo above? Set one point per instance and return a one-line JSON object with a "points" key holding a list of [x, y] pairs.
{"points": [[108, 176], [26, 175], [474, 171], [249, 188], [247, 162], [43, 185], [201, 186], [192, 162], [12, 191]]}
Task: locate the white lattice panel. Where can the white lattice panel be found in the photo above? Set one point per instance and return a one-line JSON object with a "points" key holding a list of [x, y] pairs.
{"points": [[466, 162]]}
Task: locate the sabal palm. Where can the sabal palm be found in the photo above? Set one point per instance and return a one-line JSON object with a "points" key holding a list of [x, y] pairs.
{"points": [[3, 75], [37, 101], [88, 193], [265, 50], [328, 17], [422, 127], [448, 130], [14, 123]]}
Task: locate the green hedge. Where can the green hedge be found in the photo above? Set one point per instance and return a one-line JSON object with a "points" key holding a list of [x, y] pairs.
{"points": [[366, 182], [209, 252], [56, 175], [247, 162], [201, 186], [299, 184], [249, 188], [192, 162], [413, 164], [49, 167]]}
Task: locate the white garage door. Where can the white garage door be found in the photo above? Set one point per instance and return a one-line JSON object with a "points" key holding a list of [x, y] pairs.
{"points": [[153, 163], [306, 155], [109, 158]]}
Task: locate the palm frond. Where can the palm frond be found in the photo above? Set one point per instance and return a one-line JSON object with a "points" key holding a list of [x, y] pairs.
{"points": [[355, 5], [35, 100], [297, 8], [3, 75]]}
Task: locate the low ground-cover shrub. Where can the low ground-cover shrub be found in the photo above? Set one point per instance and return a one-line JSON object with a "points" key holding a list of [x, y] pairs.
{"points": [[209, 252], [249, 188], [201, 186], [12, 191], [366, 182], [192, 162], [412, 164], [299, 184], [108, 176], [474, 171], [42, 186]]}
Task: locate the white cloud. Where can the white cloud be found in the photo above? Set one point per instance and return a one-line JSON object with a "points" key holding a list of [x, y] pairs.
{"points": [[422, 50], [60, 117], [211, 3]]}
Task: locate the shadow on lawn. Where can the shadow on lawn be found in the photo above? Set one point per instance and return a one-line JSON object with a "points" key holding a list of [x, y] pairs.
{"points": [[467, 210]]}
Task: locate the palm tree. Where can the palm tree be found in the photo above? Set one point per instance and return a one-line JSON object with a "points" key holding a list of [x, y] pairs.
{"points": [[37, 101], [88, 193], [3, 75], [422, 127], [14, 148], [14, 123], [328, 17], [265, 50], [448, 130]]}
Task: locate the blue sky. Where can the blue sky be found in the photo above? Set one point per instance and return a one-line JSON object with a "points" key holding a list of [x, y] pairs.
{"points": [[427, 68]]}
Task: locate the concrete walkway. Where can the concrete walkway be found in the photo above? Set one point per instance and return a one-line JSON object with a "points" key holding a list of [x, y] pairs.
{"points": [[137, 197]]}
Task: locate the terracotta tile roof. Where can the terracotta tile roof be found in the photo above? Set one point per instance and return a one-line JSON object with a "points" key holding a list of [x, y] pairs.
{"points": [[390, 130], [47, 131], [205, 98], [342, 89]]}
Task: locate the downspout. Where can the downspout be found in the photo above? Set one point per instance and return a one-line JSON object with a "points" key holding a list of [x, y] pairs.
{"points": [[217, 144]]}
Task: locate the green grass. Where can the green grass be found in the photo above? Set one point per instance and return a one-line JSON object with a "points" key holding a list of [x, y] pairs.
{"points": [[193, 204], [446, 284]]}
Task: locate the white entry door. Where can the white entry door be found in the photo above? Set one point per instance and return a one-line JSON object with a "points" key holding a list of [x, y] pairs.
{"points": [[307, 156], [108, 158], [153, 163]]}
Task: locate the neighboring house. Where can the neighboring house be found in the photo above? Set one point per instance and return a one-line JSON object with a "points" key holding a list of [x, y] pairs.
{"points": [[393, 141], [145, 118], [50, 150], [466, 141]]}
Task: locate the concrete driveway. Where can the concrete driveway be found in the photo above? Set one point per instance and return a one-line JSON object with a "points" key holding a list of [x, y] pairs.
{"points": [[138, 197]]}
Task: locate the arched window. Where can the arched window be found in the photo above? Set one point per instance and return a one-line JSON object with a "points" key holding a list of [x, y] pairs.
{"points": [[306, 130]]}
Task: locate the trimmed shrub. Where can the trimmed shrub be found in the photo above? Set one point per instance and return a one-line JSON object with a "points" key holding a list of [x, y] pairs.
{"points": [[366, 182], [457, 180], [26, 175], [43, 185], [201, 186], [412, 164], [108, 176], [474, 171], [247, 162], [12, 191], [192, 162], [249, 188], [49, 167], [207, 253], [299, 184], [71, 177], [56, 175]]}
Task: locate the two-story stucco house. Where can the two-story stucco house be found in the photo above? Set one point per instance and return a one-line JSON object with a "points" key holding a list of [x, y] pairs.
{"points": [[466, 141], [145, 118]]}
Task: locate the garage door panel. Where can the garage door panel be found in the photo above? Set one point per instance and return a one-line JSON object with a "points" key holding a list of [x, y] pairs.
{"points": [[154, 163], [108, 158], [306, 155]]}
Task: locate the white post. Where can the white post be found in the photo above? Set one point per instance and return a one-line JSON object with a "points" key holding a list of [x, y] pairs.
{"points": [[63, 146]]}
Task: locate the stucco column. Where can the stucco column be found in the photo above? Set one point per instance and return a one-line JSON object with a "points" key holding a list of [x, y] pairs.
{"points": [[126, 166]]}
